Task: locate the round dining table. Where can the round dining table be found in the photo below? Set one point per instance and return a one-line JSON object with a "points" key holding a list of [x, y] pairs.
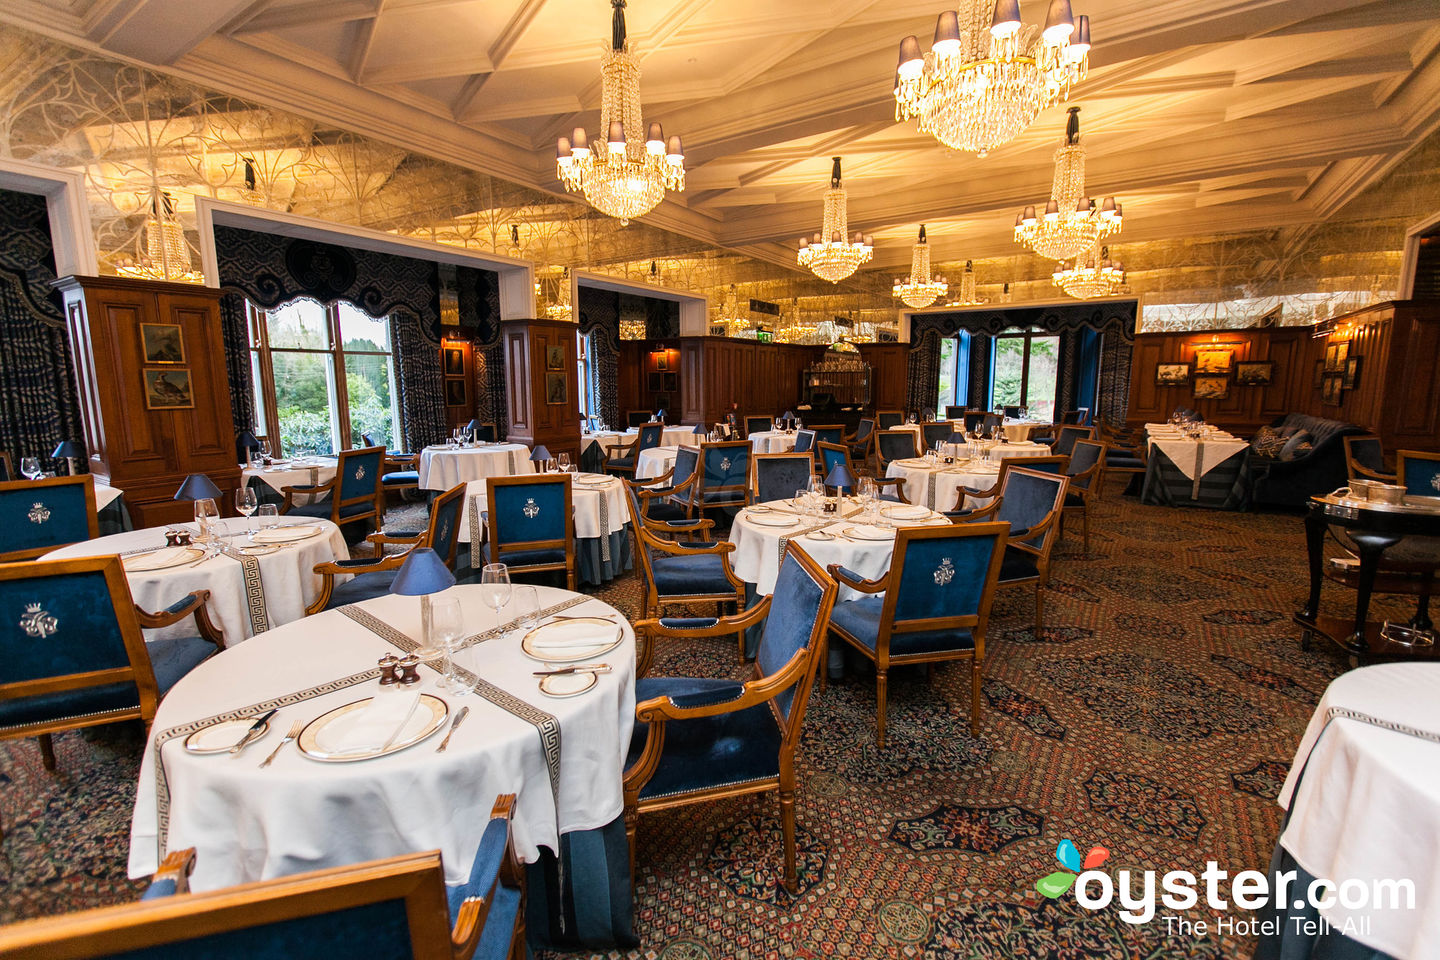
{"points": [[655, 462], [254, 586], [772, 441], [271, 480], [561, 756], [938, 485], [444, 465]]}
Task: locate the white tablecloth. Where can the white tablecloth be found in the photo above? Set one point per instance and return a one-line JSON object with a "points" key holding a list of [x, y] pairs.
{"points": [[1195, 458], [286, 577], [1368, 808], [607, 439], [299, 814], [600, 509], [443, 467], [106, 495], [772, 441], [1020, 430], [758, 548], [654, 462], [938, 486], [292, 473]]}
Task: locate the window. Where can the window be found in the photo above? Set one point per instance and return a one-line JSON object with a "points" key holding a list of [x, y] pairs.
{"points": [[1024, 372], [324, 375], [589, 403], [954, 372]]}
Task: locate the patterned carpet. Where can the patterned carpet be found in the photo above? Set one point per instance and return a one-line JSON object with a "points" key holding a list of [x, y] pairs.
{"points": [[1156, 717]]}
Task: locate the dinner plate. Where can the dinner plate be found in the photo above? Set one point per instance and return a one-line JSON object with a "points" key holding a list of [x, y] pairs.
{"points": [[220, 736], [869, 533], [259, 549], [568, 684], [569, 641], [429, 716], [758, 508], [914, 462], [772, 520], [286, 534], [819, 535], [161, 559], [592, 480], [908, 512]]}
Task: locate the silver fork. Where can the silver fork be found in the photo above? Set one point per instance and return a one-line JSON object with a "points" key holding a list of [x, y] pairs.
{"points": [[295, 729]]}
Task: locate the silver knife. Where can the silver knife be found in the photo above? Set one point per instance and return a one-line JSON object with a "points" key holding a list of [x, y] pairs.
{"points": [[253, 733], [455, 725]]}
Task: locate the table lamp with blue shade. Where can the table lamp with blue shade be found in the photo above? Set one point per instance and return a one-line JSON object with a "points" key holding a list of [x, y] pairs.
{"points": [[541, 456], [245, 441], [840, 477], [70, 450], [700, 430], [660, 415], [423, 573], [197, 486]]}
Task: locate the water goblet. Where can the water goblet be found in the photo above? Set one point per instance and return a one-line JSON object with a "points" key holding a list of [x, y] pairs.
{"points": [[268, 516], [447, 629], [246, 504], [527, 607], [206, 514], [563, 459], [495, 587], [30, 467]]}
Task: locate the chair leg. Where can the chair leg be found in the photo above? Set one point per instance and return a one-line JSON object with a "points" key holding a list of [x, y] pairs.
{"points": [[974, 696], [632, 820], [787, 827], [47, 752], [879, 707], [1084, 527], [1039, 609]]}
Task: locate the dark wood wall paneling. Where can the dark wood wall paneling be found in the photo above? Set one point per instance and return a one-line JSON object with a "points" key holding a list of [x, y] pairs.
{"points": [[458, 415], [532, 419], [639, 359], [759, 378], [1397, 393], [889, 372]]}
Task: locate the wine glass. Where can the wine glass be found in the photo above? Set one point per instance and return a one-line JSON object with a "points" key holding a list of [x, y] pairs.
{"points": [[563, 459], [447, 628], [30, 467], [245, 505], [495, 587], [268, 515], [206, 514], [527, 607]]}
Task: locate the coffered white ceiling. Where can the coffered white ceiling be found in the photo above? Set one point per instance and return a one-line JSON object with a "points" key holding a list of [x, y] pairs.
{"points": [[1202, 116]]}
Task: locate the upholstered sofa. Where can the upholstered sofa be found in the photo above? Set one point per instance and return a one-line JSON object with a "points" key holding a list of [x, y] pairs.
{"points": [[1277, 482]]}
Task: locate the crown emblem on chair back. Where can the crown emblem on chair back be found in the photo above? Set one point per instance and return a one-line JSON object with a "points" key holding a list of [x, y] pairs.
{"points": [[38, 622], [39, 513], [725, 464], [650, 435], [360, 472], [531, 508], [945, 572]]}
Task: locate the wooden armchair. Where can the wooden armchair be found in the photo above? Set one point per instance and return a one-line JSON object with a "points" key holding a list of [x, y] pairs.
{"points": [[356, 491], [1031, 502], [1365, 459], [1087, 479]]}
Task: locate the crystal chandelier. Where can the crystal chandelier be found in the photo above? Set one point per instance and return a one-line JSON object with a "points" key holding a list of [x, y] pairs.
{"points": [[919, 289], [731, 315], [167, 255], [1071, 224], [988, 75], [967, 296], [1094, 276], [628, 176], [828, 254]]}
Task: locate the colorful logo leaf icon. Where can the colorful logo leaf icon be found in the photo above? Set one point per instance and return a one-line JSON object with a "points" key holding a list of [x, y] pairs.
{"points": [[1096, 857], [1068, 856], [1055, 884]]}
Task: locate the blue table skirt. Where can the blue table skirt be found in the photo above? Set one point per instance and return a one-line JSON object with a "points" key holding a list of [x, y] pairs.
{"points": [[115, 518], [1296, 934], [590, 567], [1227, 487], [596, 903]]}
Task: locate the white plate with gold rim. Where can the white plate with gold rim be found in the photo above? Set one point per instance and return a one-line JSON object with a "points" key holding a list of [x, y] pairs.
{"points": [[571, 640], [567, 684], [321, 737], [869, 533], [286, 534], [162, 559], [220, 736], [771, 519], [905, 512], [592, 480]]}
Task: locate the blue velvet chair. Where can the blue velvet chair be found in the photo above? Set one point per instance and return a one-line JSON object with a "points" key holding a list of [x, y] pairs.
{"points": [[370, 577], [43, 515], [356, 494], [73, 651], [1050, 464], [933, 433], [699, 739], [829, 433], [758, 425], [862, 441], [623, 459], [834, 454], [1365, 459], [974, 420], [804, 441], [1080, 416], [399, 469], [1418, 473], [399, 907], [635, 418], [675, 572], [530, 524], [991, 422], [654, 496], [1065, 439], [889, 419], [1086, 471], [935, 607], [719, 478], [776, 476], [954, 412], [483, 432], [1031, 501], [891, 445], [1011, 411]]}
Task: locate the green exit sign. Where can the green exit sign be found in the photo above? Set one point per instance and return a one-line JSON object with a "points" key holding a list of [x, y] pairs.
{"points": [[763, 336]]}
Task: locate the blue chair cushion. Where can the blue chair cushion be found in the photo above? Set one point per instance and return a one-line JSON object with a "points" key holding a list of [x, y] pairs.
{"points": [[861, 620], [173, 657], [525, 558], [322, 510], [1017, 565], [620, 462], [159, 889], [68, 703], [705, 752], [366, 586], [682, 576], [400, 478], [1126, 462], [664, 511], [1074, 500]]}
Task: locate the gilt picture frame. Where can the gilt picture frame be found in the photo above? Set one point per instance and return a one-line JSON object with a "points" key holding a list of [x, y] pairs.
{"points": [[1254, 373], [1212, 360], [168, 389], [162, 343], [1211, 387], [1172, 374]]}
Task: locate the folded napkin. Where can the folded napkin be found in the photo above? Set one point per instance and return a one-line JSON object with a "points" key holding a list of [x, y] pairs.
{"points": [[373, 727], [573, 635]]}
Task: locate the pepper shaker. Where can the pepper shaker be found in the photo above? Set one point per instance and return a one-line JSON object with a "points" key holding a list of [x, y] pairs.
{"points": [[409, 666], [389, 670]]}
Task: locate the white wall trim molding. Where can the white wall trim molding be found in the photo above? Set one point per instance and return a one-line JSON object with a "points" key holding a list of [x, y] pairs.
{"points": [[1408, 262], [517, 277], [71, 235], [694, 308]]}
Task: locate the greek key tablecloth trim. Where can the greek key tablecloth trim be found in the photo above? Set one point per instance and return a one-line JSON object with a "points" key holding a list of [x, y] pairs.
{"points": [[476, 538], [1346, 713], [254, 589], [162, 783], [785, 540], [604, 525]]}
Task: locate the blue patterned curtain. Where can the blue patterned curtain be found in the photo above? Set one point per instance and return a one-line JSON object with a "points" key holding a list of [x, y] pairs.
{"points": [[600, 321], [39, 405], [270, 270], [478, 300]]}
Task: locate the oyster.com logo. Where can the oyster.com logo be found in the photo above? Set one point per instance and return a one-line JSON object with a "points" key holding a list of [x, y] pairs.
{"points": [[1056, 884]]}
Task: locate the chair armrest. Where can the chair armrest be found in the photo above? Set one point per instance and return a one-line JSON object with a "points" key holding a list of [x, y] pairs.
{"points": [[980, 512], [659, 709], [400, 536], [309, 487], [332, 568], [729, 693], [173, 876], [700, 627], [691, 526], [495, 863], [193, 604], [1369, 474], [692, 547], [990, 492], [854, 581], [897, 482]]}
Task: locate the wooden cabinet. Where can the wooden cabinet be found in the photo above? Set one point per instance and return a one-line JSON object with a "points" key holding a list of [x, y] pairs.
{"points": [[154, 393], [541, 384]]}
